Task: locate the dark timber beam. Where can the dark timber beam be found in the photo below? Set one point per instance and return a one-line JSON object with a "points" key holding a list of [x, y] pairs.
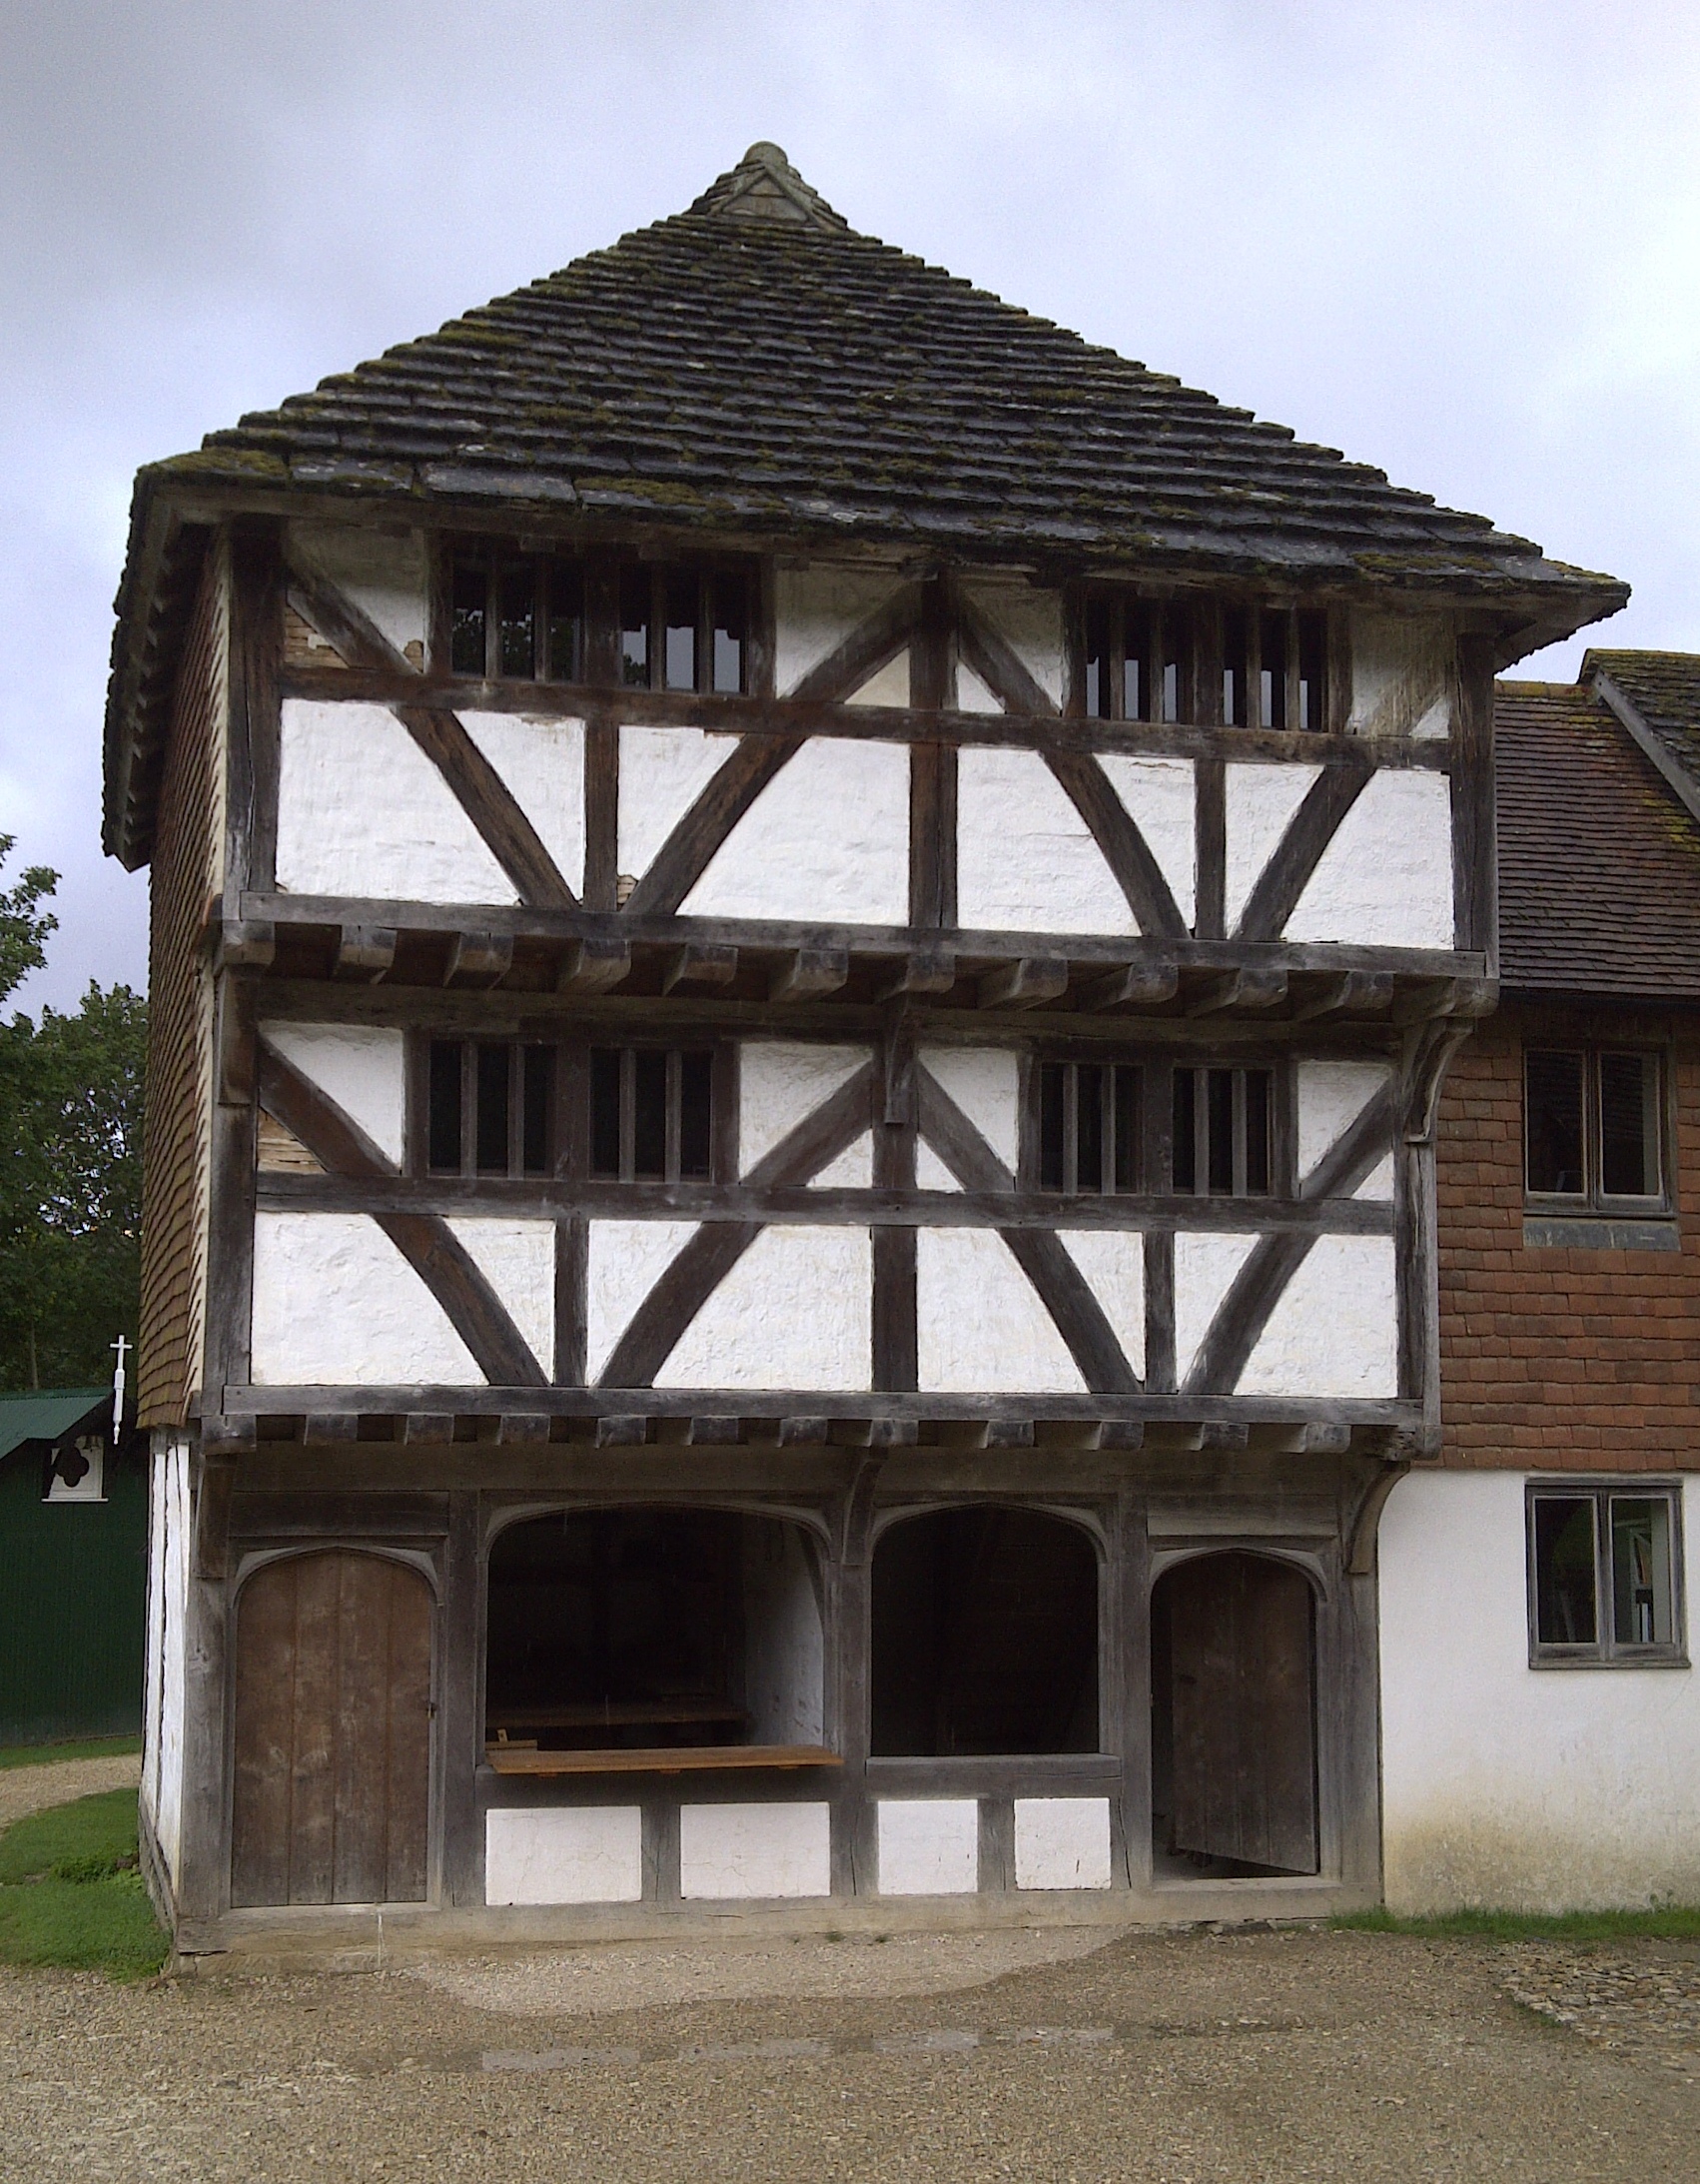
{"points": [[699, 968], [594, 966], [807, 973], [1022, 984], [1247, 989], [1140, 986], [1349, 993], [364, 953], [479, 960]]}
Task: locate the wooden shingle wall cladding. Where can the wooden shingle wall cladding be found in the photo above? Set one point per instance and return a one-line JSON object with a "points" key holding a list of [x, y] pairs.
{"points": [[1559, 1359], [184, 878]]}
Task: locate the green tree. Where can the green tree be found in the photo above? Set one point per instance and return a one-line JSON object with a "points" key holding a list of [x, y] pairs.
{"points": [[70, 1163]]}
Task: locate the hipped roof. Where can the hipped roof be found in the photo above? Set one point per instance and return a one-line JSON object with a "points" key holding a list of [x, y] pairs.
{"points": [[754, 365]]}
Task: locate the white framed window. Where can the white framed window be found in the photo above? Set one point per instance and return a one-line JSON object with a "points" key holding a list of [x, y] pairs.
{"points": [[76, 1471]]}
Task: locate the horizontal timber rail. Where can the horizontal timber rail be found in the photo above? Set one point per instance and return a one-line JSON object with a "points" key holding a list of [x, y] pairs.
{"points": [[734, 716], [815, 1204]]}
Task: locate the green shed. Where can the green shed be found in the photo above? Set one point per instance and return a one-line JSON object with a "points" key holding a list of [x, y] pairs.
{"points": [[73, 1568]]}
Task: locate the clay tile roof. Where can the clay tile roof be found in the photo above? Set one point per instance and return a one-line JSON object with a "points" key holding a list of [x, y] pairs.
{"points": [[1662, 691], [1599, 864]]}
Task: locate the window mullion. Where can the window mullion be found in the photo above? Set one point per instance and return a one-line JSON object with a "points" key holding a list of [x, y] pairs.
{"points": [[1116, 665], [628, 1115], [468, 1106], [1605, 1604], [1071, 1128], [1237, 1111], [516, 1108], [493, 618], [1201, 1132], [670, 1155]]}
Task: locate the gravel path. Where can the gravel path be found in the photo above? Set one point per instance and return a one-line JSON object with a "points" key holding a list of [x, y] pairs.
{"points": [[1179, 2059], [32, 1789], [1645, 2005]]}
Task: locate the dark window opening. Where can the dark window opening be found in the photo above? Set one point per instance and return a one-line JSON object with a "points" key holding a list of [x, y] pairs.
{"points": [[1235, 626], [1271, 703], [1098, 663], [490, 1108], [683, 630], [684, 606], [469, 618], [1604, 1575], [1313, 671], [517, 617], [653, 1628], [1088, 1126], [1234, 1718], [634, 628], [651, 1114], [565, 598], [1591, 1130], [730, 630], [516, 592], [985, 1636], [1223, 1124]]}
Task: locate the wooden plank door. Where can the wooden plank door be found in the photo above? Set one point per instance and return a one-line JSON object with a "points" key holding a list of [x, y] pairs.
{"points": [[332, 1732], [1244, 1711]]}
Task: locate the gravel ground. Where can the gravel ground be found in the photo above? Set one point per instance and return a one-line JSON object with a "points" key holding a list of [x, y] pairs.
{"points": [[31, 1789], [1644, 2004], [1183, 2058]]}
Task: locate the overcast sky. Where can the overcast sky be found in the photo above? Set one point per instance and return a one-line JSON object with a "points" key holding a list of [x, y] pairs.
{"points": [[1458, 241]]}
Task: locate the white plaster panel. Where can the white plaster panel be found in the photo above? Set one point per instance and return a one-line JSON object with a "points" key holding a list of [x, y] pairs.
{"points": [[362, 811], [624, 1261], [1502, 1785], [982, 1327], [1385, 880], [759, 1851], [1029, 622], [1260, 804], [1334, 1328], [1159, 796], [928, 1847], [517, 1259], [1205, 1266], [1436, 723], [931, 1174], [1401, 672], [162, 1787], [662, 773], [565, 1854], [826, 842], [1026, 859], [542, 763], [853, 1170], [887, 685], [973, 695], [388, 576], [795, 1311], [780, 1083], [1062, 1843], [361, 1067], [984, 1082], [1112, 1260], [815, 609], [334, 1303], [1332, 1096]]}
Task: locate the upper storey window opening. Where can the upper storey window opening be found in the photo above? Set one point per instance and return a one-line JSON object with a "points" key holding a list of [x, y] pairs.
{"points": [[1592, 1130], [488, 1108], [683, 628], [1240, 665], [1275, 668], [517, 617], [1223, 1125], [1139, 658], [651, 1114], [1088, 1127]]}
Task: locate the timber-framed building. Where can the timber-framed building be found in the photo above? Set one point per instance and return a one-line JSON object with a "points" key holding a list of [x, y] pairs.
{"points": [[804, 940]]}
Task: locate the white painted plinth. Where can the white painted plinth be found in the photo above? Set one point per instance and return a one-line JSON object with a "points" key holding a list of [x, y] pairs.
{"points": [[928, 1846], [576, 1854], [755, 1851], [1062, 1843]]}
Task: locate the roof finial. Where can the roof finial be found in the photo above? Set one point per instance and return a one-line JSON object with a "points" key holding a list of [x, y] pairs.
{"points": [[765, 186]]}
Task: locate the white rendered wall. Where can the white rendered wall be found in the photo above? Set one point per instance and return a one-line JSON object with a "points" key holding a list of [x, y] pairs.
{"points": [[1541, 1789], [1159, 796], [928, 1847], [542, 763], [780, 1083], [360, 1067], [624, 1262], [827, 842], [784, 1648], [984, 1082], [980, 1323], [1026, 859], [1029, 622], [564, 1855], [1204, 1267], [517, 1259], [1334, 1327], [1331, 1095], [1113, 1262], [887, 685], [1259, 804], [815, 609], [169, 1523], [1401, 674], [755, 1851], [362, 811], [334, 1303], [1062, 1843], [795, 1311], [385, 573], [662, 773], [1385, 880]]}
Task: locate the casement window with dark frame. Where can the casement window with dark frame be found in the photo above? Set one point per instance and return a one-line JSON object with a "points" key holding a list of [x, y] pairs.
{"points": [[1222, 1144], [1593, 1138], [1090, 1124], [488, 1108], [653, 1114], [1605, 1575]]}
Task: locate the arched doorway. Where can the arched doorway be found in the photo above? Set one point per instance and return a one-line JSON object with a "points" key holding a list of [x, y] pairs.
{"points": [[985, 1634], [332, 1732], [1234, 1717]]}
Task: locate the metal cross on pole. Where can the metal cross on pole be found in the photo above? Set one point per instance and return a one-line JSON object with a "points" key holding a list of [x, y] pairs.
{"points": [[121, 1346]]}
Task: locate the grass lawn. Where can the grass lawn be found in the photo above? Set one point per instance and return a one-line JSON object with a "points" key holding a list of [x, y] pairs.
{"points": [[1665, 1923], [71, 1895], [46, 1756]]}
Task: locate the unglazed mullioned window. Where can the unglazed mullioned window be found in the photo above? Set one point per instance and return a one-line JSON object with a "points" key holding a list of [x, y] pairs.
{"points": [[517, 617], [488, 1108], [1223, 1123], [1592, 1134], [1089, 1126], [683, 628], [1605, 1575], [651, 1114], [1248, 667]]}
